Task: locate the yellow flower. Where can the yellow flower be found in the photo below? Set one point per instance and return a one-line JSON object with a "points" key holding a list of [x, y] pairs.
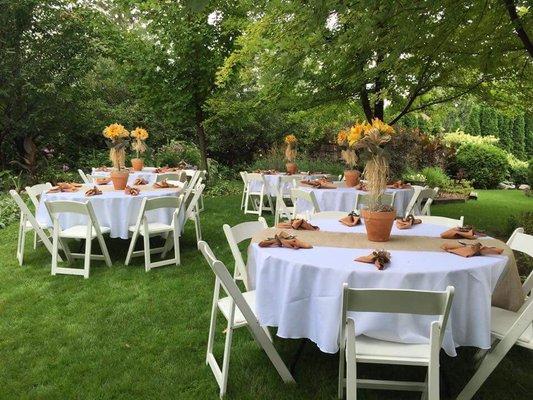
{"points": [[139, 134], [356, 133], [115, 131], [342, 138], [382, 126], [290, 139]]}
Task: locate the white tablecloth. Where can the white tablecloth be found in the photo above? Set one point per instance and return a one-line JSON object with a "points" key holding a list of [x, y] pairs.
{"points": [[113, 209], [272, 181], [147, 173], [343, 199], [299, 291]]}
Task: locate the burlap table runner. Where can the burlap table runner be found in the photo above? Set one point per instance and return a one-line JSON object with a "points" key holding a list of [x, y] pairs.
{"points": [[110, 188], [508, 293]]}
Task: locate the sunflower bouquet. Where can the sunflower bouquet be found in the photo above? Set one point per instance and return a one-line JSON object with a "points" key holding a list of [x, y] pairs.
{"points": [[139, 135], [370, 140], [290, 150], [348, 154], [117, 141]]}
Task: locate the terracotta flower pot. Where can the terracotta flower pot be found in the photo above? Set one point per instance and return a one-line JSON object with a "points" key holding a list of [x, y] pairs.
{"points": [[351, 177], [137, 164], [120, 179], [292, 168], [378, 224]]}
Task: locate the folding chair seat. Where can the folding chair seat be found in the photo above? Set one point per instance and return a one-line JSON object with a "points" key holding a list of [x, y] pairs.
{"points": [[256, 196], [91, 230], [239, 310]]}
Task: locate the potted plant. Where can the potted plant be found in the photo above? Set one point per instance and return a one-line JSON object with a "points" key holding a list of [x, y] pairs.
{"points": [[117, 140], [140, 135], [371, 140], [290, 154], [348, 154]]}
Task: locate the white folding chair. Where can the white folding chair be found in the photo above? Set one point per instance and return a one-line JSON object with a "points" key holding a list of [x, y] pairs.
{"points": [[28, 223], [245, 186], [84, 177], [35, 192], [147, 229], [328, 215], [237, 234], [239, 310], [91, 230], [421, 201], [201, 177], [387, 199], [444, 221], [191, 211], [304, 195], [171, 176], [507, 327], [282, 209], [364, 349], [257, 196]]}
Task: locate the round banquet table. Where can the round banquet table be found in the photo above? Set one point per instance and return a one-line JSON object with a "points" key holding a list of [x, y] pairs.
{"points": [[343, 199], [147, 173], [300, 291], [114, 209], [272, 181]]}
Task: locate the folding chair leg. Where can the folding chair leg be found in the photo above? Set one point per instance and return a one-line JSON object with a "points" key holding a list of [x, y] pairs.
{"points": [[34, 240], [87, 259], [197, 227], [105, 253], [147, 263], [177, 255], [131, 248], [55, 250], [225, 360], [20, 244]]}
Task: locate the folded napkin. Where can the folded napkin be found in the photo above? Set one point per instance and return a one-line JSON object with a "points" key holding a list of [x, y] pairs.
{"points": [[407, 222], [140, 181], [361, 186], [297, 224], [398, 185], [319, 183], [131, 191], [466, 232], [93, 192], [470, 250], [163, 185], [166, 168], [378, 257], [266, 171], [102, 169], [102, 181], [65, 187], [351, 219], [283, 239]]}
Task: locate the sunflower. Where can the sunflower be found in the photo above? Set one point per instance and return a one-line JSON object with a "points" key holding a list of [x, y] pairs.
{"points": [[290, 140], [115, 131], [139, 134], [382, 127], [356, 133], [342, 138]]}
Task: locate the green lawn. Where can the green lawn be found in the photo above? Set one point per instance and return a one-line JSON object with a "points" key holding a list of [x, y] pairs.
{"points": [[128, 334]]}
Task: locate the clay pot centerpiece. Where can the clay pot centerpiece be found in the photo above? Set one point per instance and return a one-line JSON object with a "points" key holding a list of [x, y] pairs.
{"points": [[139, 136], [117, 141], [290, 154], [348, 154]]}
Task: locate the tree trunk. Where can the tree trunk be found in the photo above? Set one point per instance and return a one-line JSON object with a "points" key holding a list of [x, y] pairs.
{"points": [[518, 27]]}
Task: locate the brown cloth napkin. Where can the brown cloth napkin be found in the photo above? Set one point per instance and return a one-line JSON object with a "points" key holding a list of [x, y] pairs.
{"points": [[93, 192], [283, 239], [65, 187], [102, 181], [351, 219], [319, 183], [407, 222], [163, 185], [102, 168], [466, 232], [140, 181], [297, 224], [361, 186], [131, 191], [378, 257], [166, 168], [398, 185], [470, 250]]}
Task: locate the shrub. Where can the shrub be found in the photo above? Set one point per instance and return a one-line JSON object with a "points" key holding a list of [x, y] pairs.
{"points": [[530, 173], [435, 176], [517, 169], [486, 165], [458, 138], [9, 211], [172, 153]]}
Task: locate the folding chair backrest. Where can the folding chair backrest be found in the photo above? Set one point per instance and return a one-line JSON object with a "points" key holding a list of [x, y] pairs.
{"points": [[198, 190], [75, 207], [398, 301], [237, 234], [35, 192], [444, 221], [256, 177], [287, 180], [362, 199], [84, 177], [411, 205], [310, 197], [243, 176], [162, 202], [427, 195], [523, 243], [171, 176]]}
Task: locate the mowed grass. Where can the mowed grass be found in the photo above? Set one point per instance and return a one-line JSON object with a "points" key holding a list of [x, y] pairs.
{"points": [[128, 334]]}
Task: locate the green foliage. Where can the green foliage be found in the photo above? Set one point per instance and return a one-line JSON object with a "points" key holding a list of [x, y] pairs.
{"points": [[473, 125], [458, 138], [530, 173], [436, 177], [489, 122], [486, 165], [176, 151], [517, 169], [9, 211], [519, 144]]}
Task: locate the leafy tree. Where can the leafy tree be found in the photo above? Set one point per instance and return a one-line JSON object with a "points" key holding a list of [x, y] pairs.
{"points": [[528, 133], [505, 131], [519, 137], [473, 125], [489, 122]]}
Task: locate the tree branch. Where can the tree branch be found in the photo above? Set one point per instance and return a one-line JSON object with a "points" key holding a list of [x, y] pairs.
{"points": [[519, 29]]}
